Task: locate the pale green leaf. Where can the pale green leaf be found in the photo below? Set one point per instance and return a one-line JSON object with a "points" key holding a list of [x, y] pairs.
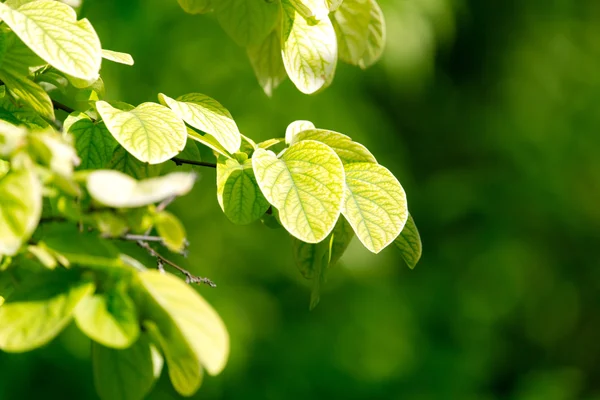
{"points": [[11, 138], [238, 193], [306, 185], [4, 168], [309, 51], [185, 370], [312, 10], [171, 231], [43, 255], [348, 150], [374, 204], [248, 22], [20, 208], [296, 127], [126, 374], [93, 142], [197, 321], [151, 132], [109, 318], [55, 152], [267, 62], [376, 39], [208, 141], [115, 189], [39, 309], [351, 21], [51, 30], [196, 6], [248, 145], [267, 144], [125, 162], [409, 243], [118, 57], [333, 4], [208, 115]]}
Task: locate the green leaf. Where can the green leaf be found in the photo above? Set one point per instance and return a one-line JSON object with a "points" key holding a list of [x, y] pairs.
{"points": [[176, 306], [196, 6], [118, 57], [125, 162], [342, 236], [39, 309], [43, 255], [209, 141], [306, 185], [309, 51], [208, 115], [20, 208], [115, 189], [267, 62], [238, 193], [109, 318], [374, 204], [294, 128], [376, 38], [30, 93], [351, 22], [312, 10], [409, 243], [248, 22], [93, 142], [51, 30], [151, 132], [185, 370], [123, 374], [11, 111], [171, 231], [347, 150]]}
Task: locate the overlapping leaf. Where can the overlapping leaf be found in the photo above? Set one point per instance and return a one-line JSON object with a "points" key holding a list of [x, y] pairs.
{"points": [[409, 243], [248, 22], [267, 62], [376, 38], [348, 150], [352, 21], [124, 161], [313, 10], [296, 127], [94, 143]]}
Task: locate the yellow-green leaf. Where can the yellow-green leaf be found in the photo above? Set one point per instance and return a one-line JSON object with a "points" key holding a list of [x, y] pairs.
{"points": [[376, 38], [351, 22], [312, 10], [151, 132], [238, 193], [296, 127], [348, 150], [306, 185], [267, 62], [208, 115], [29, 92], [248, 22], [374, 204], [333, 4], [208, 141], [171, 231], [309, 51], [409, 243], [51, 30], [118, 57]]}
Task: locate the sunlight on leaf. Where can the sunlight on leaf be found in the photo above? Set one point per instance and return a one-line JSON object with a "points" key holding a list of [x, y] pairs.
{"points": [[409, 243]]}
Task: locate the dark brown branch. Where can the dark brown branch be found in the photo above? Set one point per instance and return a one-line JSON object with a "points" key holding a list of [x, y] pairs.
{"points": [[181, 161], [60, 106]]}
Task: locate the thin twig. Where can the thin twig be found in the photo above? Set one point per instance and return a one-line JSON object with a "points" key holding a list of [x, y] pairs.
{"points": [[145, 238], [60, 106], [181, 161], [189, 277]]}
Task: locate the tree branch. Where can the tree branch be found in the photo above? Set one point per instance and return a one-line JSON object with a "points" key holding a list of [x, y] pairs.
{"points": [[60, 106], [181, 161]]}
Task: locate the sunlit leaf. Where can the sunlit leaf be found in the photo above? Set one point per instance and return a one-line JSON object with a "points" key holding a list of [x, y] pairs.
{"points": [[51, 30], [171, 231], [306, 185], [309, 51], [29, 92], [115, 189], [333, 4], [248, 22], [351, 21], [208, 141], [409, 243], [374, 204], [267, 62], [39, 309], [313, 10], [11, 137], [238, 193], [208, 115], [93, 142], [151, 132], [348, 150], [296, 127], [118, 57], [376, 39]]}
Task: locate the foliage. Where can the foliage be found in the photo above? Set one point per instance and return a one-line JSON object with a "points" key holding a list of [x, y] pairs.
{"points": [[74, 186]]}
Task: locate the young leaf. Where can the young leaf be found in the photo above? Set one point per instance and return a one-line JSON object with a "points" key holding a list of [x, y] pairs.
{"points": [[376, 38], [185, 370], [126, 374], [267, 62], [51, 30], [409, 243], [114, 189], [306, 185], [125, 162], [93, 142], [20, 208], [374, 204], [294, 128], [351, 22], [207, 115], [312, 10], [200, 326], [195, 6], [238, 193], [171, 231], [309, 51], [151, 132], [208, 141], [333, 4], [347, 150], [109, 318], [39, 309], [248, 22], [118, 57]]}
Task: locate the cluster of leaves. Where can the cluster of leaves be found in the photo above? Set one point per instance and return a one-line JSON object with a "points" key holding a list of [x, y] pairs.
{"points": [[81, 191], [302, 39]]}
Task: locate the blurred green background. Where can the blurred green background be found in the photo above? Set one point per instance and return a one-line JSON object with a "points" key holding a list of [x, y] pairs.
{"points": [[489, 114]]}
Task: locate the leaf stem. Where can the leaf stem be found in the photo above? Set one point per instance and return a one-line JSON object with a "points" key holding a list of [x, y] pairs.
{"points": [[181, 161]]}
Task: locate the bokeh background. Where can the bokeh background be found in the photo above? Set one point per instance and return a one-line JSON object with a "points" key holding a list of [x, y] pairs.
{"points": [[489, 114]]}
